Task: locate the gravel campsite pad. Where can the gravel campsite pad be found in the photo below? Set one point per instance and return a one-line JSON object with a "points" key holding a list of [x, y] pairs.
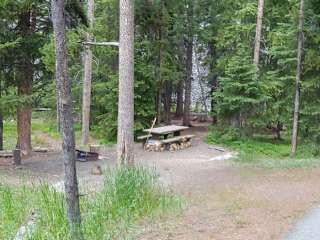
{"points": [[222, 200]]}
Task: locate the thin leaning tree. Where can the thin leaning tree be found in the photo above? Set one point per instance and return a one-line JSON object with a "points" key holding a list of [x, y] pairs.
{"points": [[295, 128], [87, 76], [66, 120]]}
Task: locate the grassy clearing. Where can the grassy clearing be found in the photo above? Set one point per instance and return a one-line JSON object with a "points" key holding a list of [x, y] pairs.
{"points": [[44, 132], [267, 152], [129, 196]]}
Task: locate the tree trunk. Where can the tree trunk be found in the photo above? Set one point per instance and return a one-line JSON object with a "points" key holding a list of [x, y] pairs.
{"points": [[159, 103], [115, 58], [189, 65], [24, 112], [179, 109], [125, 146], [1, 132], [158, 72], [27, 22], [257, 42], [86, 95], [167, 102], [278, 130], [214, 87], [180, 86], [1, 121], [58, 107], [298, 81], [67, 132], [213, 82]]}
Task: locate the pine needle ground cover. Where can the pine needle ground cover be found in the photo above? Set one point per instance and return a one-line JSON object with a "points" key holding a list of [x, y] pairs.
{"points": [[264, 150], [129, 196]]}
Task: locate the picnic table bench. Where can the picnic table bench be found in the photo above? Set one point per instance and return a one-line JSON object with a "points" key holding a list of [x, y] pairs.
{"points": [[158, 138]]}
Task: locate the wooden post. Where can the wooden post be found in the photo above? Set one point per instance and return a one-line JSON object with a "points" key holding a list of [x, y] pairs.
{"points": [[16, 157]]}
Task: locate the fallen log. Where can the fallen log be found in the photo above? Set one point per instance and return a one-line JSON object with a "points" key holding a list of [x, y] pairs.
{"points": [[40, 150]]}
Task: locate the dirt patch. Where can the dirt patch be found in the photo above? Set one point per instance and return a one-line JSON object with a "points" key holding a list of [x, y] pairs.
{"points": [[239, 203]]}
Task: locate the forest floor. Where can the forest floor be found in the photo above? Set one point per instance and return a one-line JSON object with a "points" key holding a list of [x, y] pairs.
{"points": [[223, 200]]}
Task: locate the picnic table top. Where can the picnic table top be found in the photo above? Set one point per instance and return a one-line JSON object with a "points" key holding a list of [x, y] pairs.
{"points": [[166, 129]]}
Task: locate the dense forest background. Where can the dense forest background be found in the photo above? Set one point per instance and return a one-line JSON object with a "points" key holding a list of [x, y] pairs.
{"points": [[175, 42]]}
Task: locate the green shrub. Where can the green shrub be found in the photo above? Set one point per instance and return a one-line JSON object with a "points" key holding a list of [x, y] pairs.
{"points": [[265, 150]]}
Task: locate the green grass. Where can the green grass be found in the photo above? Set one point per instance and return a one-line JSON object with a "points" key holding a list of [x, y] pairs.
{"points": [[129, 196], [44, 130], [265, 151], [14, 209], [10, 134], [40, 127]]}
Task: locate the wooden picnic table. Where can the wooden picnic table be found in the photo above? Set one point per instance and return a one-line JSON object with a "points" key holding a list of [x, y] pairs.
{"points": [[158, 132]]}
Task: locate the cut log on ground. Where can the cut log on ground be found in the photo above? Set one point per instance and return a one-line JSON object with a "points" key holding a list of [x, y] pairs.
{"points": [[154, 146], [40, 150], [178, 139], [171, 144]]}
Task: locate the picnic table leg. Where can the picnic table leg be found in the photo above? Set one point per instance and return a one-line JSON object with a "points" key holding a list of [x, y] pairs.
{"points": [[176, 134], [155, 137]]}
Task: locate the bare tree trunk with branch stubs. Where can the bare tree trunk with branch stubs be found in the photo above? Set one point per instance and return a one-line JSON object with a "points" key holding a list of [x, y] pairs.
{"points": [[257, 43], [66, 120], [87, 77], [125, 141], [298, 81], [189, 66]]}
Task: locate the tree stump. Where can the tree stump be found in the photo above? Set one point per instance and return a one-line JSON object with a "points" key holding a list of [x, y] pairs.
{"points": [[95, 148], [17, 157]]}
